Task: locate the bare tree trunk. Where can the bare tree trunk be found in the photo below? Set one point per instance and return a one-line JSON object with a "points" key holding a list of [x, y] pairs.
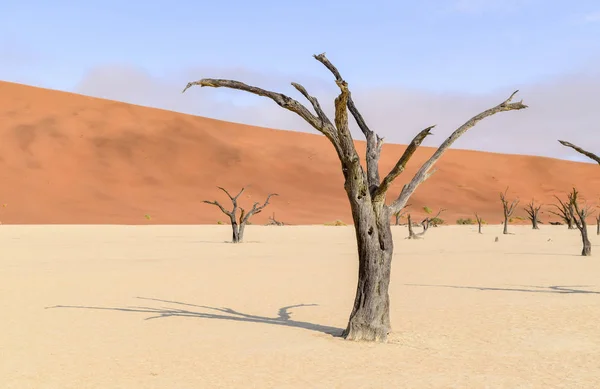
{"points": [[411, 233], [579, 215], [241, 231], [587, 246], [236, 236], [598, 225], [508, 209], [370, 317], [479, 221], [571, 221]]}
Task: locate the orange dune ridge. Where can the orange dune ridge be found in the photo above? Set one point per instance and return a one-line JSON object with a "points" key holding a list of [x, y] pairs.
{"points": [[72, 159]]}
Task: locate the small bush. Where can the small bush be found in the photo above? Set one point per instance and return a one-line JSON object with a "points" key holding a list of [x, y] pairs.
{"points": [[427, 210], [336, 223], [466, 221], [220, 222]]}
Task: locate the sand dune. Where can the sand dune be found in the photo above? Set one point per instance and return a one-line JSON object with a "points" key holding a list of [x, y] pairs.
{"points": [[66, 158], [175, 307]]}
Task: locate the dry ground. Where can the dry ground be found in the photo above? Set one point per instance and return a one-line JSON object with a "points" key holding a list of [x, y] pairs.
{"points": [[176, 307]]}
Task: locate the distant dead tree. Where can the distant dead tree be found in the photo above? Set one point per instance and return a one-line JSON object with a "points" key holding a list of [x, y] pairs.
{"points": [[370, 317], [411, 233], [479, 221], [533, 210], [598, 224], [580, 150], [274, 222], [564, 211], [579, 215], [238, 225], [398, 215], [508, 209]]}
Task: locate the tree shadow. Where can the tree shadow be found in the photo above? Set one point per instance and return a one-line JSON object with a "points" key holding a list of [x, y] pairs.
{"points": [[546, 254], [283, 316], [523, 288]]}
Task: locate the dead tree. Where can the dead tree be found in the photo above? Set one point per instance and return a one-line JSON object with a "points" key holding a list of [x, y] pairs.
{"points": [[565, 212], [274, 222], [479, 221], [508, 209], [398, 215], [369, 319], [238, 225], [580, 150], [598, 224], [532, 211], [579, 215], [411, 233]]}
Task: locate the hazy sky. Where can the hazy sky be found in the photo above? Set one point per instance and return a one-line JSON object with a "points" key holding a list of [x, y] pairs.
{"points": [[409, 63]]}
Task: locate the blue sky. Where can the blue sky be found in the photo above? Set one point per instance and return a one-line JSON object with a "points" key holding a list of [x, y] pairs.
{"points": [[464, 48]]}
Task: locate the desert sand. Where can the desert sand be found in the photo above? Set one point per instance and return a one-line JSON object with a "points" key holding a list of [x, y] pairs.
{"points": [[177, 307], [71, 159]]}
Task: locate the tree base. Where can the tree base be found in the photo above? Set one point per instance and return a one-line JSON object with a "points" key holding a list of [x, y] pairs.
{"points": [[367, 333]]}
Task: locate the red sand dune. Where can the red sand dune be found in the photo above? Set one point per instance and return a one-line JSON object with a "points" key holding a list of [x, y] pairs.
{"points": [[67, 158]]}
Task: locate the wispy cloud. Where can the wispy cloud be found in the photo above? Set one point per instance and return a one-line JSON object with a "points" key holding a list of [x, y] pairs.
{"points": [[561, 108], [484, 6], [592, 17]]}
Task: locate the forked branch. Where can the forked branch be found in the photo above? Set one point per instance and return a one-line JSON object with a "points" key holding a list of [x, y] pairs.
{"points": [[374, 141], [425, 171], [317, 122], [233, 199], [401, 164], [580, 150], [256, 209], [508, 208]]}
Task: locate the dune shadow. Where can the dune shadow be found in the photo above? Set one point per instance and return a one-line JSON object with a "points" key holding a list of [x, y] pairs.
{"points": [[523, 288], [283, 316]]}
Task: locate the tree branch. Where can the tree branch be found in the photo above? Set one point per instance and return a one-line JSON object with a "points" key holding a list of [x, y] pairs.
{"points": [[315, 103], [374, 141], [580, 150], [422, 174], [233, 199], [508, 209], [281, 100], [226, 212], [256, 209], [401, 164]]}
